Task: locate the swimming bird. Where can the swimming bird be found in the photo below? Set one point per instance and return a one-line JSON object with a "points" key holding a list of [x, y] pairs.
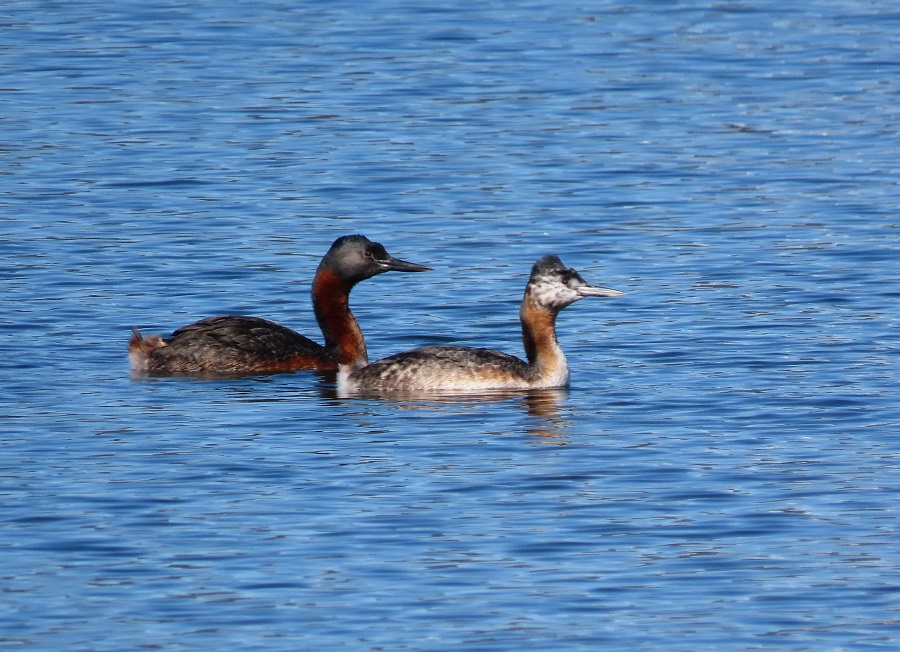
{"points": [[230, 345], [551, 288]]}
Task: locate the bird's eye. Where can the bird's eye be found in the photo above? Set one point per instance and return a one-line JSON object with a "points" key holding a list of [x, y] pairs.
{"points": [[369, 254]]}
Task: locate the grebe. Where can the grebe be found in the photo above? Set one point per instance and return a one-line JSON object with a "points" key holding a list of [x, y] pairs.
{"points": [[551, 288], [243, 345]]}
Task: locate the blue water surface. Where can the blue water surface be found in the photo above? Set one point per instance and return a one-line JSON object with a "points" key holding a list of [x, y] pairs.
{"points": [[723, 472]]}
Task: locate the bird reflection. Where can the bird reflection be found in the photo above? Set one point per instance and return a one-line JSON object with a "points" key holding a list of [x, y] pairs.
{"points": [[546, 420], [541, 407]]}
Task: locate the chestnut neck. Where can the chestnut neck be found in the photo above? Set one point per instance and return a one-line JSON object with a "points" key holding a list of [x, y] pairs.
{"points": [[539, 334], [331, 303]]}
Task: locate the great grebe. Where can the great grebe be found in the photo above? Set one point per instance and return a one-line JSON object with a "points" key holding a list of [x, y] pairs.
{"points": [[551, 288], [244, 345]]}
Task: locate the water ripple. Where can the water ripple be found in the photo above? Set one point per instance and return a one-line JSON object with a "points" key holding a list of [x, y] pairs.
{"points": [[720, 474]]}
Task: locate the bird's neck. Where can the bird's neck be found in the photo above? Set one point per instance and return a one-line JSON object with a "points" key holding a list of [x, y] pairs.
{"points": [[545, 357], [331, 303]]}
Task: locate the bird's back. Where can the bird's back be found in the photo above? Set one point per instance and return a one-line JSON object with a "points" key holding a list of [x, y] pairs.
{"points": [[454, 368], [237, 345]]}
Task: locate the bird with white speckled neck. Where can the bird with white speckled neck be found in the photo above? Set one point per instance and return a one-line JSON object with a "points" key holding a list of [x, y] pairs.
{"points": [[551, 288]]}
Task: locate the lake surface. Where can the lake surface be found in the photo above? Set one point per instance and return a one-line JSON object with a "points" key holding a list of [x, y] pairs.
{"points": [[723, 471]]}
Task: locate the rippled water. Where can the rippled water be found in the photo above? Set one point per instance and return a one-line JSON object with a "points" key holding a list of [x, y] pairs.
{"points": [[722, 472]]}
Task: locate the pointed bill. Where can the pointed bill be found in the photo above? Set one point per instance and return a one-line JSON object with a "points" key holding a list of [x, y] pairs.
{"points": [[396, 265], [593, 291]]}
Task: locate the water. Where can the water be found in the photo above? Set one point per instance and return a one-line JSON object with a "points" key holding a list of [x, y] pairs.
{"points": [[722, 472]]}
